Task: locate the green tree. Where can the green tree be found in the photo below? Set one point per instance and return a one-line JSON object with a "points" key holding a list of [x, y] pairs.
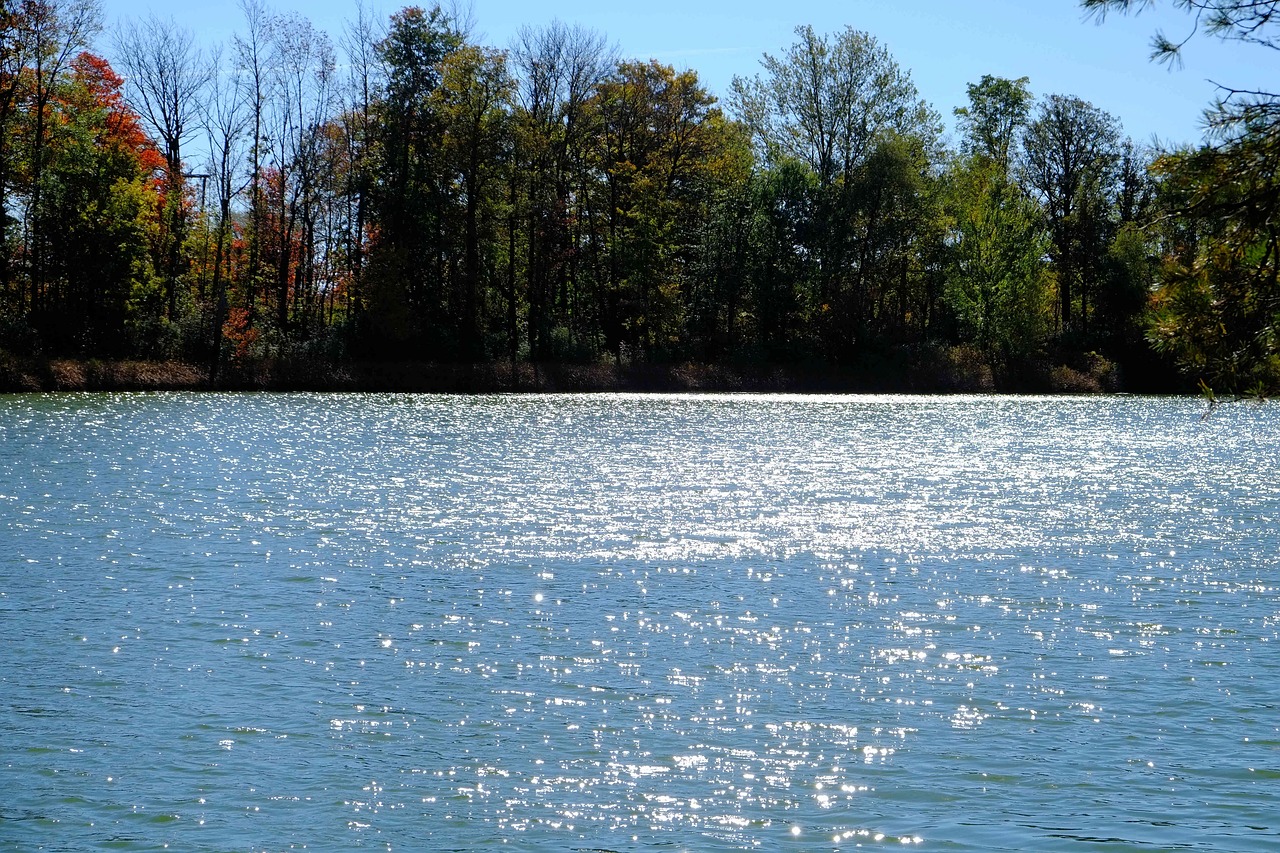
{"points": [[15, 46], [102, 206], [409, 196], [992, 124], [1217, 311], [784, 299], [894, 227], [52, 34], [997, 280], [996, 277], [558, 68], [1072, 153], [1129, 272], [835, 104], [474, 102], [718, 287], [658, 138], [825, 101]]}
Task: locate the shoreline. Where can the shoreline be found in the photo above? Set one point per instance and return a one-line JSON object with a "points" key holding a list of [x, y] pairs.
{"points": [[33, 375]]}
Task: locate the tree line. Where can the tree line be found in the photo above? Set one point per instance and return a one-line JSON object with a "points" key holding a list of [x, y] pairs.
{"points": [[409, 194]]}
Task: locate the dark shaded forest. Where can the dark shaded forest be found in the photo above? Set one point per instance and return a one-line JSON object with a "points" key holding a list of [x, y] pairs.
{"points": [[284, 210]]}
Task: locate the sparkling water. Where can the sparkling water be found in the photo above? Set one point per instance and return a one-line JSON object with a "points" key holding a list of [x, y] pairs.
{"points": [[331, 622]]}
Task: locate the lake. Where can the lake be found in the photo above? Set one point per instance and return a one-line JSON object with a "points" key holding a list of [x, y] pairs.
{"points": [[331, 622]]}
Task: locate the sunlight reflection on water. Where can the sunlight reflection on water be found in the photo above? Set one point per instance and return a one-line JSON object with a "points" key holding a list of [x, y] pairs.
{"points": [[619, 622]]}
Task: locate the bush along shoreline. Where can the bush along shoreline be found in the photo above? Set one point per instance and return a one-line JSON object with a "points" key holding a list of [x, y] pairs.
{"points": [[936, 370]]}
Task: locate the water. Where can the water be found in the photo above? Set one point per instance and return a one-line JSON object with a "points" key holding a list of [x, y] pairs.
{"points": [[249, 622]]}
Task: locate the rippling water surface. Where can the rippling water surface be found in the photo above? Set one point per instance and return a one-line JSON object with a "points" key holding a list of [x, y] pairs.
{"points": [[244, 622]]}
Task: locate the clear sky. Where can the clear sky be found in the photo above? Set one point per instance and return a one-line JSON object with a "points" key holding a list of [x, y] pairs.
{"points": [[945, 44]]}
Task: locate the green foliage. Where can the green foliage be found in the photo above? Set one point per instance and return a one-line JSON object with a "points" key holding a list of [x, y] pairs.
{"points": [[992, 124], [997, 284], [417, 41], [1072, 153], [1130, 275], [411, 197], [1217, 310], [452, 202], [386, 324], [841, 108], [90, 213], [657, 144], [895, 236], [781, 268]]}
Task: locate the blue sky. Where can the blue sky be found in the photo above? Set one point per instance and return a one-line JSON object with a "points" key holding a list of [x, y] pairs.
{"points": [[944, 43]]}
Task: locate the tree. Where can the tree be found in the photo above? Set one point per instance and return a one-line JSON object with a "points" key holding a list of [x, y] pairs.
{"points": [[226, 122], [719, 296], [835, 104], [783, 297], [102, 203], [1072, 152], [826, 99], [252, 56], [305, 81], [474, 103], [657, 138], [54, 32], [1218, 308], [996, 281], [895, 229], [1217, 312], [558, 68], [356, 125], [992, 124], [167, 75], [409, 196], [15, 48]]}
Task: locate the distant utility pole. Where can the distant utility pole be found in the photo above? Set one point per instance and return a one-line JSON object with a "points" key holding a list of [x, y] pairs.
{"points": [[204, 220]]}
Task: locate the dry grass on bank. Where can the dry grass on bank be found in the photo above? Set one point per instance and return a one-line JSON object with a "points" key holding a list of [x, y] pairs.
{"points": [[93, 375], [942, 370]]}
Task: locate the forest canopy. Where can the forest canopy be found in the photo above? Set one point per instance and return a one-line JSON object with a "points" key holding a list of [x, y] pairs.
{"points": [[407, 194]]}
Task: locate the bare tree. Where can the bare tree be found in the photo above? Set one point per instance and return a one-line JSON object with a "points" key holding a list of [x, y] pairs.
{"points": [[226, 119], [827, 99], [167, 75], [306, 64], [559, 68], [252, 55], [359, 44]]}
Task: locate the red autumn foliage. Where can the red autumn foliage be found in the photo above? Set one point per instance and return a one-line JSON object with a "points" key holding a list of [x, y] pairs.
{"points": [[239, 330], [103, 89]]}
